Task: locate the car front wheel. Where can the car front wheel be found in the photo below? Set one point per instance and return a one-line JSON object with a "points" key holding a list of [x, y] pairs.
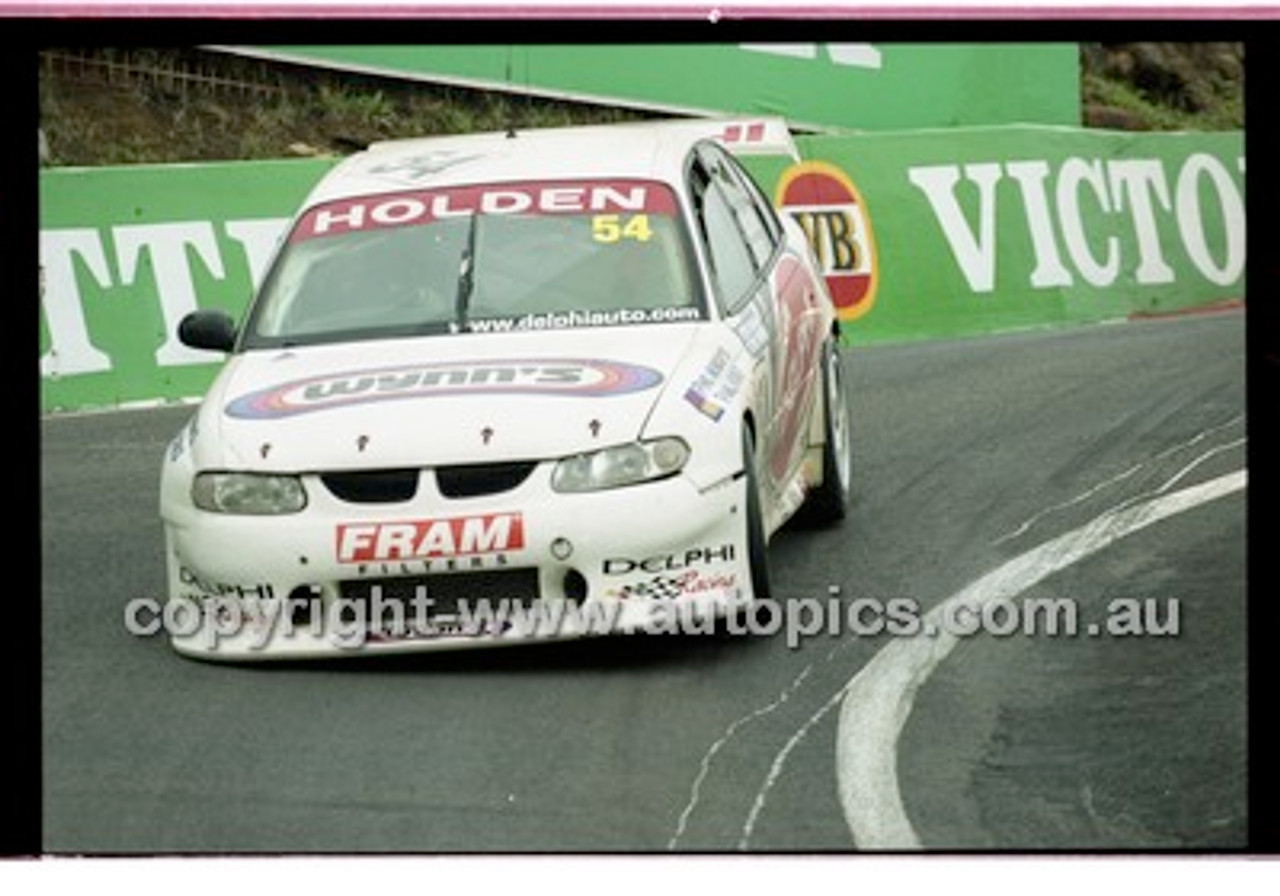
{"points": [[829, 502], [757, 544]]}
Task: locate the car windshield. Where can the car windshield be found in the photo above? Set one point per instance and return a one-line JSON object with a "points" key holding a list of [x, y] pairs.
{"points": [[499, 258]]}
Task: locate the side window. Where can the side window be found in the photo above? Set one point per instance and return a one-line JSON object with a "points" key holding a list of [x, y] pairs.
{"points": [[763, 206], [733, 266], [759, 227]]}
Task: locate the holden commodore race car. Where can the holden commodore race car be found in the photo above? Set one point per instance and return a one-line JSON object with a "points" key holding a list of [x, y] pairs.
{"points": [[504, 387]]}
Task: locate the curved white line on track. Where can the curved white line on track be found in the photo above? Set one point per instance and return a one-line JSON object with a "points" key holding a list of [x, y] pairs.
{"points": [[878, 700]]}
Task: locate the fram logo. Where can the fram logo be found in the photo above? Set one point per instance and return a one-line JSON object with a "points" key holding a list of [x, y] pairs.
{"points": [[573, 377], [461, 536], [826, 204]]}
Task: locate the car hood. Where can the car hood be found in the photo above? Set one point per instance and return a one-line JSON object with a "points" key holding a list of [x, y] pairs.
{"points": [[437, 400]]}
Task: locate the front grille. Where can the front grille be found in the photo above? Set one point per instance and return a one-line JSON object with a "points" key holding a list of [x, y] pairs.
{"points": [[509, 587], [473, 480], [372, 486]]}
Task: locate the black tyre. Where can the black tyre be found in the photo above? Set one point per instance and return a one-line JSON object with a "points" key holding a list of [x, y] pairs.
{"points": [[829, 502], [757, 545]]}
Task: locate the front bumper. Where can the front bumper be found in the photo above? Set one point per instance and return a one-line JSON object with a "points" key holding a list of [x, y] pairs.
{"points": [[528, 564]]}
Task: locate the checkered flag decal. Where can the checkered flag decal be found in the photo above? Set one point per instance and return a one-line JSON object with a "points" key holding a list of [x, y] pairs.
{"points": [[657, 588]]}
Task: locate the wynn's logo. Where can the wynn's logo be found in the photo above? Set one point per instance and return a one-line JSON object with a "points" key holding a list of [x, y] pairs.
{"points": [[572, 377]]}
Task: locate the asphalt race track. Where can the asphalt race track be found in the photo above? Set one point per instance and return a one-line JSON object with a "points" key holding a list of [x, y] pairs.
{"points": [[975, 459]]}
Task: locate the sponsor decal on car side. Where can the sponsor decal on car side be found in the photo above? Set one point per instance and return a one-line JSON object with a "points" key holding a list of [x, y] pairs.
{"points": [[617, 566], [204, 588], [716, 386], [673, 575], [675, 586], [802, 328], [572, 377]]}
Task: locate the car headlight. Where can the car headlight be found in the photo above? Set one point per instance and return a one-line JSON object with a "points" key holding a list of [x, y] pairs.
{"points": [[249, 493], [621, 465]]}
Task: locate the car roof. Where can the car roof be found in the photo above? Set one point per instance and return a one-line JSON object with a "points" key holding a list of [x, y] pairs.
{"points": [[650, 150]]}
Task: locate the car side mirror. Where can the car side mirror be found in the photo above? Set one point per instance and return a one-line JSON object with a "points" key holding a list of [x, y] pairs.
{"points": [[209, 329]]}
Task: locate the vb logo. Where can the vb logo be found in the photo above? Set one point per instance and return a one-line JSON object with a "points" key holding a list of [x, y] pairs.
{"points": [[827, 206]]}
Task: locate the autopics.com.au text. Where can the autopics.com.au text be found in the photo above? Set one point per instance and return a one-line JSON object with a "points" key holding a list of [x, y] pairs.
{"points": [[350, 623]]}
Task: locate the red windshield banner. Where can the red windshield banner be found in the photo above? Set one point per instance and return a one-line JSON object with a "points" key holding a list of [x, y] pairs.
{"points": [[419, 207]]}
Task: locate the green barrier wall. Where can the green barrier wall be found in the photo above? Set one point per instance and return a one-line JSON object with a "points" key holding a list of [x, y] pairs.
{"points": [[992, 229], [957, 232], [125, 252], [882, 86]]}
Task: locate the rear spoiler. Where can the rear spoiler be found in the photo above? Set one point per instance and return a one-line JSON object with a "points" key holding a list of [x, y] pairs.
{"points": [[753, 136]]}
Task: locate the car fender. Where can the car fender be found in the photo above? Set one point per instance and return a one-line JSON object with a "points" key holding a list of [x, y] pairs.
{"points": [[707, 396]]}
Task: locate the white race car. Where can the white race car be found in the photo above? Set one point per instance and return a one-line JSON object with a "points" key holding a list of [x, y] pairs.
{"points": [[506, 387]]}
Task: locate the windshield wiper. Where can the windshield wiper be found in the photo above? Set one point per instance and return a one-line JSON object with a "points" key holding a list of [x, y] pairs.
{"points": [[466, 277]]}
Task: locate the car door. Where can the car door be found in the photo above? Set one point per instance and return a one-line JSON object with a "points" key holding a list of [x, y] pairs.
{"points": [[740, 290], [767, 295]]}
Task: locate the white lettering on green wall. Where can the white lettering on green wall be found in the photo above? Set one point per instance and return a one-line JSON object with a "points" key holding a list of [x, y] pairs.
{"points": [[1093, 221], [62, 254], [118, 267]]}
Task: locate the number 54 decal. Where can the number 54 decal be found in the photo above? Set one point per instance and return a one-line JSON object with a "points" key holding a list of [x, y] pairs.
{"points": [[612, 228]]}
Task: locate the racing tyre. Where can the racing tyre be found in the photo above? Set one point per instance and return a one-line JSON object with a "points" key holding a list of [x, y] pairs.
{"points": [[757, 545], [829, 502], [736, 621]]}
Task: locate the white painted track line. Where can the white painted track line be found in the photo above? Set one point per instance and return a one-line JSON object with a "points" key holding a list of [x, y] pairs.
{"points": [[878, 700]]}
